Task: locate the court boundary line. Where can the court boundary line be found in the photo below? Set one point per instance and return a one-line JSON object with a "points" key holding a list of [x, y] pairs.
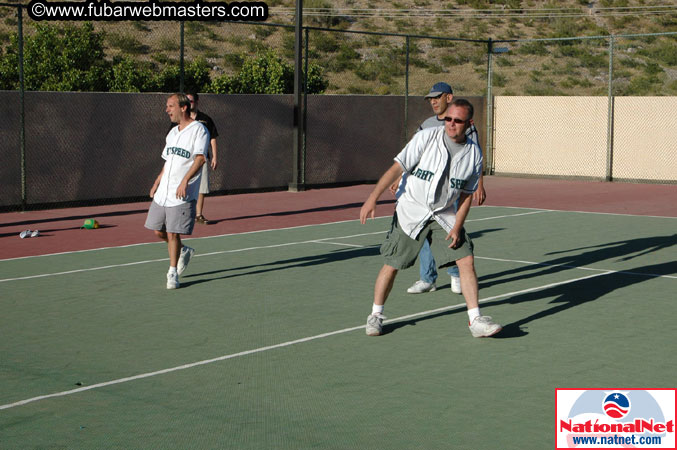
{"points": [[338, 222], [280, 345], [568, 266], [578, 212], [250, 232], [28, 277], [311, 241], [148, 261], [184, 239]]}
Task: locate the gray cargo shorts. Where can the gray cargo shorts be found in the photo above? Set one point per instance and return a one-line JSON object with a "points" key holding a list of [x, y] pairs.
{"points": [[401, 251], [173, 219]]}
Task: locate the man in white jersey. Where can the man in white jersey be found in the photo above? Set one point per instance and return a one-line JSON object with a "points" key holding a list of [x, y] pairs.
{"points": [[444, 167], [175, 191], [211, 156], [440, 96]]}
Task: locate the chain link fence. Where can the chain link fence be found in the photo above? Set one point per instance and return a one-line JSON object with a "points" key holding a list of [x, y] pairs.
{"points": [[526, 94]]}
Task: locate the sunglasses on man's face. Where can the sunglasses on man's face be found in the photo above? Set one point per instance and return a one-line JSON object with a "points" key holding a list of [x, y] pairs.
{"points": [[454, 119]]}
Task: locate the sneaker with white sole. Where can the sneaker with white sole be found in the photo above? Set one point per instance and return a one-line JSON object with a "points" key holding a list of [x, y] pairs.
{"points": [[172, 280], [421, 286], [483, 326], [184, 258], [375, 324], [455, 284]]}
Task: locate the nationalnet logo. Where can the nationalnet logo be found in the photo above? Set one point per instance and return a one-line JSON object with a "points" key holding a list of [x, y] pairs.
{"points": [[615, 418]]}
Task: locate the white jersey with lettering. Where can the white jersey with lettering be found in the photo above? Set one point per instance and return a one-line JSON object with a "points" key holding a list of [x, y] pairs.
{"points": [[434, 182], [431, 122], [181, 148]]}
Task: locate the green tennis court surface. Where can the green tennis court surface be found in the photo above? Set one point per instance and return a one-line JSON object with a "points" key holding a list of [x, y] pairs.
{"points": [[263, 347]]}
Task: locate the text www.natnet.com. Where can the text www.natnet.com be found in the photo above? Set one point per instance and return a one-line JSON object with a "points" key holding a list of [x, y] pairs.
{"points": [[153, 10], [616, 440]]}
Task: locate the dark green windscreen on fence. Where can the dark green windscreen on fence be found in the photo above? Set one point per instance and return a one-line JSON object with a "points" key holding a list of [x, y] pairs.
{"points": [[97, 146]]}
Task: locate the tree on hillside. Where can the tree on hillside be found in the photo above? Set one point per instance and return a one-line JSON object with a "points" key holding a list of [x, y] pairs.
{"points": [[57, 58], [72, 58], [267, 73]]}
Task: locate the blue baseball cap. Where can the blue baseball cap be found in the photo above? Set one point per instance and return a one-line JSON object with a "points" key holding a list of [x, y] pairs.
{"points": [[439, 89]]}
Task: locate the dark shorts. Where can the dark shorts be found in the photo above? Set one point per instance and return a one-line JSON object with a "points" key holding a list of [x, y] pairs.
{"points": [[400, 251], [172, 219]]}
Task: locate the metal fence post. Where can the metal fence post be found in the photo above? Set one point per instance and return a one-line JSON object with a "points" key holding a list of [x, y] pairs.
{"points": [[406, 90], [489, 162], [22, 110], [296, 183], [304, 121], [610, 115], [181, 64]]}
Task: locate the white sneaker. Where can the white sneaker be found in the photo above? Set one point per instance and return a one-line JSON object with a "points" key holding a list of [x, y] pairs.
{"points": [[483, 326], [375, 324], [172, 280], [421, 286], [184, 258], [455, 284]]}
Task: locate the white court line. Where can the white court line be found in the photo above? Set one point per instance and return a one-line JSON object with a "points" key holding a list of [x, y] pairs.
{"points": [[578, 212], [29, 277], [186, 239], [281, 345], [241, 233], [318, 241], [341, 244], [568, 266], [537, 210], [509, 215], [112, 266]]}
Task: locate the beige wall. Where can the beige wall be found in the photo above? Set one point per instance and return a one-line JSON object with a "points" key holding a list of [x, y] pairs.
{"points": [[567, 137], [561, 136], [645, 138]]}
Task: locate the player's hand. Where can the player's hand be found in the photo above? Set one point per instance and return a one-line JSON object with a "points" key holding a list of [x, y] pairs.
{"points": [[454, 237], [368, 209], [152, 190], [213, 163], [480, 195], [181, 191], [393, 187]]}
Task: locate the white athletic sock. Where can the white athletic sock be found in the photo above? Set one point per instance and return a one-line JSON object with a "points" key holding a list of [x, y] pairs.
{"points": [[473, 314], [172, 269], [377, 309]]}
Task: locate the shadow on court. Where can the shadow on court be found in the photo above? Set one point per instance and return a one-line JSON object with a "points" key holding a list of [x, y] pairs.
{"points": [[78, 217], [567, 296], [46, 233], [302, 211], [325, 258], [620, 250], [306, 261], [576, 293], [580, 292]]}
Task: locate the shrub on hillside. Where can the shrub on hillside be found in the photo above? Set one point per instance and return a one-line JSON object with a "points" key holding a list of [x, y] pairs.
{"points": [[57, 58], [267, 73]]}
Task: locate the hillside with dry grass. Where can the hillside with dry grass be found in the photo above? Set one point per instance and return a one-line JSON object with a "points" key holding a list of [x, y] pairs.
{"points": [[363, 48]]}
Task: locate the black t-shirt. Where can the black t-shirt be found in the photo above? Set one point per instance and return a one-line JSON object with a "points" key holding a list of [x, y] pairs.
{"points": [[205, 120]]}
